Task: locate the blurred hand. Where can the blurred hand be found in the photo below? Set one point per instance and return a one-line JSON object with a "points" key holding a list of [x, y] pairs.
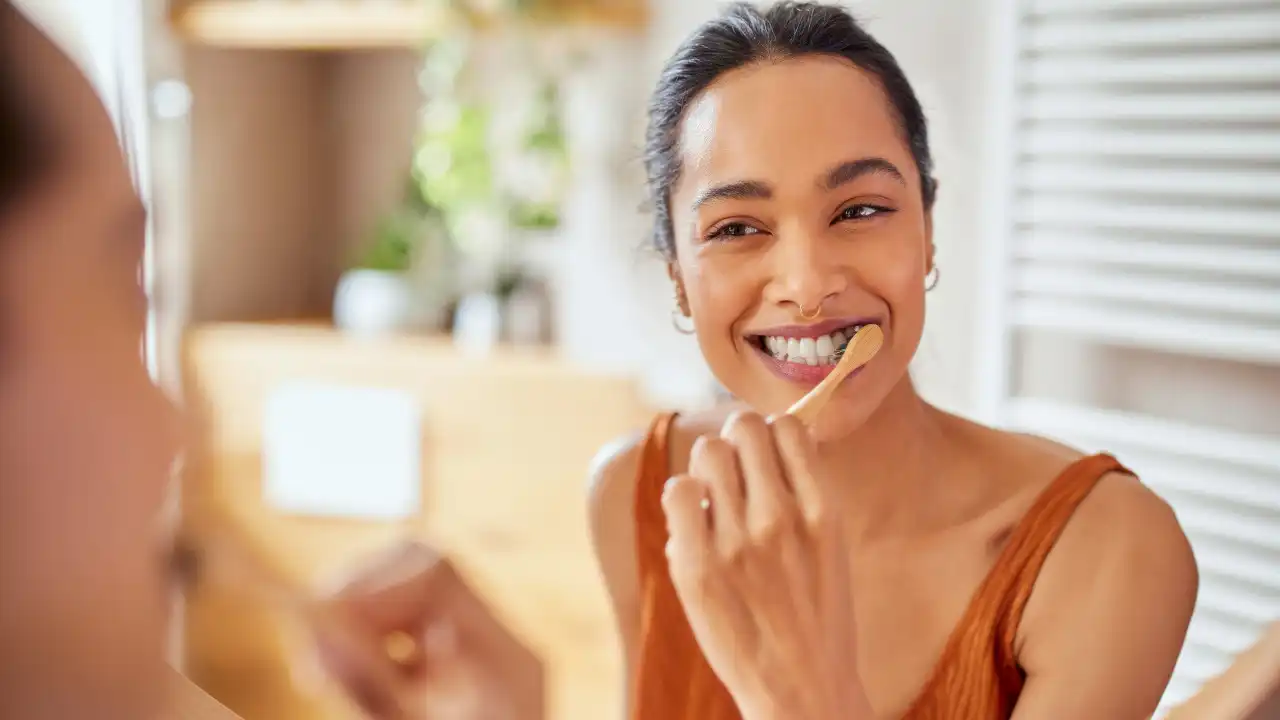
{"points": [[462, 663]]}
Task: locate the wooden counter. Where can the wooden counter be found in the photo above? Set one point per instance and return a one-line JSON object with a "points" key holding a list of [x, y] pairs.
{"points": [[507, 440]]}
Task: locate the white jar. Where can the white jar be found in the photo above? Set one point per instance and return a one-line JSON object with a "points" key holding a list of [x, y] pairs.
{"points": [[374, 302]]}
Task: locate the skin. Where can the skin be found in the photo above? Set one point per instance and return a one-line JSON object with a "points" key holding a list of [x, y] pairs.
{"points": [[88, 440], [922, 500], [86, 450], [467, 664]]}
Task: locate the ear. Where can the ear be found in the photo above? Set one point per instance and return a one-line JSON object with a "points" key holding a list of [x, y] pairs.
{"points": [[682, 300]]}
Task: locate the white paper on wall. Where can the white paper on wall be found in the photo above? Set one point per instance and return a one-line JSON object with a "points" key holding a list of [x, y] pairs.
{"points": [[342, 451]]}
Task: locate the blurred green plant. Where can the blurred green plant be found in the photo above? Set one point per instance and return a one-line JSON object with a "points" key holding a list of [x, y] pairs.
{"points": [[453, 170], [452, 161], [392, 246], [544, 142], [398, 234]]}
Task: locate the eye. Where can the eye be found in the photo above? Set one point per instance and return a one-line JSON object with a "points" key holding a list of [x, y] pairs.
{"points": [[731, 230], [862, 212]]}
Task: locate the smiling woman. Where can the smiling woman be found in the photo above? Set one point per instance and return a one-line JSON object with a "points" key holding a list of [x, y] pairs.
{"points": [[892, 560]]}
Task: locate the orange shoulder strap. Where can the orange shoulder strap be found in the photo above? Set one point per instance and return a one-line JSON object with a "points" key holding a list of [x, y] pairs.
{"points": [[655, 468]]}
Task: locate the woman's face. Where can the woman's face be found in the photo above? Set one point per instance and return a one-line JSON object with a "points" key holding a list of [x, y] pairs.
{"points": [[86, 439], [798, 196]]}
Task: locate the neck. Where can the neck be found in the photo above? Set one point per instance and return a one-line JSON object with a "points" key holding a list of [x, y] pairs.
{"points": [[890, 467]]}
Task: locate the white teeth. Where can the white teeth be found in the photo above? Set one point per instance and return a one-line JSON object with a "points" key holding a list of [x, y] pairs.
{"points": [[809, 351], [778, 347], [826, 346]]}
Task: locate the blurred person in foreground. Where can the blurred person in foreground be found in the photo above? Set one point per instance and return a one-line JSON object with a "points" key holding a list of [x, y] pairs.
{"points": [[87, 442]]}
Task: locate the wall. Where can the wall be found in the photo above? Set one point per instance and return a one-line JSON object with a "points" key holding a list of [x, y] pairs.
{"points": [[293, 156]]}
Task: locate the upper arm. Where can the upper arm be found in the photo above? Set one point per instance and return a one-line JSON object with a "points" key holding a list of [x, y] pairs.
{"points": [[1107, 619], [1249, 688], [611, 507]]}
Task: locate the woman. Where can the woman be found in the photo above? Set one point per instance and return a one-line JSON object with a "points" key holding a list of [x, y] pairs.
{"points": [[892, 560], [87, 442]]}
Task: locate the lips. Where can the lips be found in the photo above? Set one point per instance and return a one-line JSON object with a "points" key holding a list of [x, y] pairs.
{"points": [[821, 350], [814, 344], [806, 354]]}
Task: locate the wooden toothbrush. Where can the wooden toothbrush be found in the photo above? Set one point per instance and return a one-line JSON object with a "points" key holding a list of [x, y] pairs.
{"points": [[858, 352]]}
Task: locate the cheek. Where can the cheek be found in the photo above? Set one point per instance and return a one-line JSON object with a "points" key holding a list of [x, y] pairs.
{"points": [[902, 280], [87, 449], [893, 268], [721, 291], [85, 481]]}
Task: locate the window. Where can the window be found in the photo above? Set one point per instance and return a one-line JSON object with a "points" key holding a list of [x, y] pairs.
{"points": [[1134, 296]]}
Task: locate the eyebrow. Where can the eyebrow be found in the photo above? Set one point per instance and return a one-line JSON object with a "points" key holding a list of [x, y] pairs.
{"points": [[850, 170], [741, 190], [842, 174]]}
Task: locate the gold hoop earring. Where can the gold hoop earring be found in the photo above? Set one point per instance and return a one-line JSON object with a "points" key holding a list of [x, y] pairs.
{"points": [[676, 315], [931, 278]]}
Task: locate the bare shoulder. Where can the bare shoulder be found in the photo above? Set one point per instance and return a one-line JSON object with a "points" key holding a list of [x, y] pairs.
{"points": [[691, 426], [1126, 527], [1123, 569], [611, 507], [614, 469], [610, 510], [611, 501], [1122, 539]]}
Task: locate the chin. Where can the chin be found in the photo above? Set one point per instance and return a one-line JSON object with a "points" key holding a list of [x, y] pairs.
{"points": [[839, 420], [849, 410]]}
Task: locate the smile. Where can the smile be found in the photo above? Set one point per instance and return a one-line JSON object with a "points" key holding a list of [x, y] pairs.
{"points": [[806, 353]]}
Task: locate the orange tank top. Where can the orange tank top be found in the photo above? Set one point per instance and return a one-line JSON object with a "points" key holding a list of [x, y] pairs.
{"points": [[977, 676]]}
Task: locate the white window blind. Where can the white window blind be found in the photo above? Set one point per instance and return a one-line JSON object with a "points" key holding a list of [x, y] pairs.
{"points": [[1135, 285]]}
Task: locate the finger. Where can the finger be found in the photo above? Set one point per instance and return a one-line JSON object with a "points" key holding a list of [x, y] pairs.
{"points": [[768, 493], [391, 591], [799, 462], [367, 675], [389, 606], [715, 463], [690, 539], [409, 588]]}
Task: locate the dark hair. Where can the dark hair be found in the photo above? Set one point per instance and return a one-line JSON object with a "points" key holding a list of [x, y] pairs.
{"points": [[22, 145], [743, 35]]}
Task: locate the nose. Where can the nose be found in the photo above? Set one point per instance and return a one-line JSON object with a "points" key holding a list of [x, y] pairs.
{"points": [[805, 274]]}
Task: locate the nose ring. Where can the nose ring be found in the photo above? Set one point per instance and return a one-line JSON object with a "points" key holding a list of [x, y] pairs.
{"points": [[810, 316]]}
